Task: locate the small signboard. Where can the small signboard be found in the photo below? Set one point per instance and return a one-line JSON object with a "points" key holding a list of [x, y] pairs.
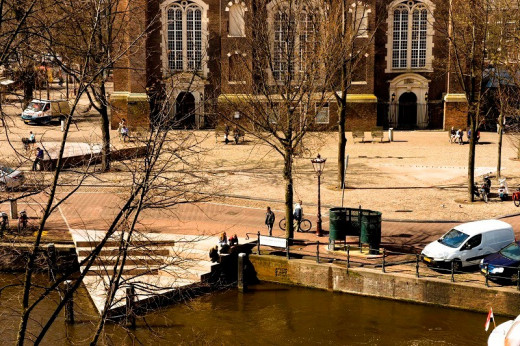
{"points": [[273, 241]]}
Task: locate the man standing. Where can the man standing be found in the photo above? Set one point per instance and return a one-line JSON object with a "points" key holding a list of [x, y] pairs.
{"points": [[298, 214], [39, 157], [269, 220]]}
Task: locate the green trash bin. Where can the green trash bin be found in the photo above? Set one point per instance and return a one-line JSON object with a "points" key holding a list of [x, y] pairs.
{"points": [[338, 223], [353, 222], [371, 230]]}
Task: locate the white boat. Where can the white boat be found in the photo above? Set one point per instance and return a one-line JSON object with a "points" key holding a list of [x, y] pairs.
{"points": [[506, 334]]}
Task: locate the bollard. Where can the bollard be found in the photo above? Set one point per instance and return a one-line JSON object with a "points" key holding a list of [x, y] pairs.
{"points": [[417, 265], [348, 256], [288, 255], [51, 255], [452, 276], [14, 209], [487, 275], [258, 243], [69, 305], [383, 266], [241, 281], [318, 252], [130, 299]]}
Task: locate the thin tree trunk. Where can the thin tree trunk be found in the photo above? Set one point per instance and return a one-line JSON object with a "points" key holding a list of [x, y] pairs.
{"points": [[289, 194], [105, 130], [342, 144], [471, 156], [500, 135], [28, 79]]}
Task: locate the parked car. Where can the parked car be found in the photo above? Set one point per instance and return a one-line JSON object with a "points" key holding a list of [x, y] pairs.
{"points": [[503, 264], [10, 178], [40, 112], [468, 243]]}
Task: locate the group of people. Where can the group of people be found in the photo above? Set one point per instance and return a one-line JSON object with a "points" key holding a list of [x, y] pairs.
{"points": [[236, 134], [225, 246], [457, 136], [123, 131]]}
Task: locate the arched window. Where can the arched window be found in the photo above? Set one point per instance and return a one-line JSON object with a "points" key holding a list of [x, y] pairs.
{"points": [[293, 42], [410, 35], [237, 24], [185, 35]]}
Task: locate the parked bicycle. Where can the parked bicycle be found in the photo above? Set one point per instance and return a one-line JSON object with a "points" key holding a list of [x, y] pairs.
{"points": [[4, 224], [516, 197], [304, 225]]}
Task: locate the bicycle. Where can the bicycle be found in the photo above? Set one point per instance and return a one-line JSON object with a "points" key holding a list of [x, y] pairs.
{"points": [[304, 225]]}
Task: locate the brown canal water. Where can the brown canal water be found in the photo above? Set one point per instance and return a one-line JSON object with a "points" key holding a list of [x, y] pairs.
{"points": [[268, 314]]}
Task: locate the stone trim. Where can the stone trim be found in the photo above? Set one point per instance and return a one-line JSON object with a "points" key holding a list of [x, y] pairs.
{"points": [[455, 98]]}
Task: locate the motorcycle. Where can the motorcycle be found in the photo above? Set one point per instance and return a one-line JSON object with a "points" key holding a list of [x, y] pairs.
{"points": [[484, 189], [503, 190], [516, 197]]}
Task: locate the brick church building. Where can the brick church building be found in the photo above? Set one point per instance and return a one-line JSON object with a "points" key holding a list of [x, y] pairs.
{"points": [[403, 82]]}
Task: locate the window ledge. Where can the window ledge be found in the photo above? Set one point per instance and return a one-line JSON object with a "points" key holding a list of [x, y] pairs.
{"points": [[235, 36], [322, 123], [237, 82], [409, 70], [359, 83]]}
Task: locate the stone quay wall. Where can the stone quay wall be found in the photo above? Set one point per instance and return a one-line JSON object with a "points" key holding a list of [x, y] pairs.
{"points": [[374, 283]]}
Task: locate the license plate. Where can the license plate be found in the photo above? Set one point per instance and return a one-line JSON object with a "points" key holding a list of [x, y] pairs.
{"points": [[426, 259]]}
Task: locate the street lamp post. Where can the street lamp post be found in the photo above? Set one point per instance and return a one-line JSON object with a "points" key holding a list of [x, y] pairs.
{"points": [[318, 164]]}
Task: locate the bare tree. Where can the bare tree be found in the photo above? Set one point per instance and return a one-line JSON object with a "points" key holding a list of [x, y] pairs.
{"points": [[283, 79]]}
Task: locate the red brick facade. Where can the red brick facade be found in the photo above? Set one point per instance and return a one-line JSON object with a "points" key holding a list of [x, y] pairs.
{"points": [[375, 101]]}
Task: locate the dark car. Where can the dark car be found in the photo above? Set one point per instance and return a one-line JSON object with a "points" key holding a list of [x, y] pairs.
{"points": [[504, 264]]}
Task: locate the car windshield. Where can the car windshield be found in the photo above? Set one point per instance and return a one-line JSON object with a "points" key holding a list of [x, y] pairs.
{"points": [[6, 170], [35, 106], [512, 251], [453, 238]]}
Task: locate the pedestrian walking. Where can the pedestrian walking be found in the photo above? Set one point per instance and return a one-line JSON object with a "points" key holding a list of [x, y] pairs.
{"points": [[269, 220], [122, 123], [226, 134], [37, 159]]}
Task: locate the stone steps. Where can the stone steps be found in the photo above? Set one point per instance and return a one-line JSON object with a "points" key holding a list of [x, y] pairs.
{"points": [[158, 264]]}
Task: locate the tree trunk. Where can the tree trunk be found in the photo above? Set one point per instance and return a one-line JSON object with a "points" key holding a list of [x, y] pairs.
{"points": [[105, 130], [500, 135], [342, 144], [28, 78], [289, 194], [471, 156]]}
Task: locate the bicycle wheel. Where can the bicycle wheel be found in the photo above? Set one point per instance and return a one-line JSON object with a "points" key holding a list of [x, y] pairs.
{"points": [[281, 224], [516, 201], [305, 225]]}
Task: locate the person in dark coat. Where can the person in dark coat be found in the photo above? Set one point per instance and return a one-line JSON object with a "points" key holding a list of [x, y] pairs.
{"points": [[39, 157], [269, 220], [213, 254]]}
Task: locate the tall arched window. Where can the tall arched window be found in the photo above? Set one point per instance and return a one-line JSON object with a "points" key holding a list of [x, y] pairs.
{"points": [[185, 35], [237, 24], [293, 42], [410, 34]]}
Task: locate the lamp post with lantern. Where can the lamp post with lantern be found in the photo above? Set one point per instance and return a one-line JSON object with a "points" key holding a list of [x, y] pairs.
{"points": [[318, 164]]}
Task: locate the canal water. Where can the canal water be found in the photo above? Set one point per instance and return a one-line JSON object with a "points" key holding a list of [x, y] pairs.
{"points": [[268, 314]]}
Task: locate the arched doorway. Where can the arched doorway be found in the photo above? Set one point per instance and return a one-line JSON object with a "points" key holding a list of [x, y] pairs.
{"points": [[407, 110], [185, 110]]}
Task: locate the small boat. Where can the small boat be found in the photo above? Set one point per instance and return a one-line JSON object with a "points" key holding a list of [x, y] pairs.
{"points": [[507, 333]]}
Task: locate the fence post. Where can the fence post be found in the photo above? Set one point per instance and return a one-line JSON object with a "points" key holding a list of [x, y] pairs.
{"points": [[318, 252], [51, 255], [130, 298], [452, 276], [69, 305], [258, 243], [487, 275], [13, 204], [287, 245], [383, 266], [359, 221], [518, 280], [241, 281], [417, 265], [348, 256]]}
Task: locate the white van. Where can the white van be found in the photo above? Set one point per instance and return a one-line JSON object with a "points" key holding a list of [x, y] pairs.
{"points": [[44, 111], [468, 243]]}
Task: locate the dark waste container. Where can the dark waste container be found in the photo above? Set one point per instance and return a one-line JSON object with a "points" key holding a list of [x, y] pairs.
{"points": [[371, 230], [354, 221], [338, 223]]}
